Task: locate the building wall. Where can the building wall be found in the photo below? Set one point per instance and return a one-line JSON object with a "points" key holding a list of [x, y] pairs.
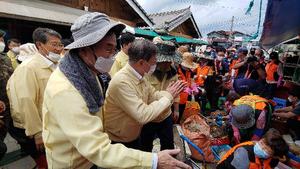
{"points": [[120, 10], [186, 29], [22, 29]]}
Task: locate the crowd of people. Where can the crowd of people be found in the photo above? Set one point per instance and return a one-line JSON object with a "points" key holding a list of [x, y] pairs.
{"points": [[69, 104]]}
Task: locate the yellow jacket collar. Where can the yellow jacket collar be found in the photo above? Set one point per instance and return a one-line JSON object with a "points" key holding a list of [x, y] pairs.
{"points": [[136, 77]]}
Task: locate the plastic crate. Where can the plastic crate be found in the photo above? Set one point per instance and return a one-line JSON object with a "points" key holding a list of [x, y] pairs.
{"points": [[280, 103], [220, 150]]}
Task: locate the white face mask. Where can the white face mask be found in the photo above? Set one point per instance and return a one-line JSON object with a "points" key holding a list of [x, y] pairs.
{"points": [[219, 58], [152, 69], [16, 50], [54, 57], [2, 47], [290, 99], [259, 152], [103, 65]]}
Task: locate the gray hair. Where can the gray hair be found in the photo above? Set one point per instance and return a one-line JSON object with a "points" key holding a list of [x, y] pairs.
{"points": [[41, 35], [260, 51], [141, 49]]}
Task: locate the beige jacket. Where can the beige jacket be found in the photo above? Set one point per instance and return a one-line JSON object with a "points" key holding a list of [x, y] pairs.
{"points": [[25, 90], [121, 60], [74, 138], [130, 103]]}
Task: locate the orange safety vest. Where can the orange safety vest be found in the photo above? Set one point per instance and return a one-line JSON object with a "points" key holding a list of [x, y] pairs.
{"points": [[186, 78], [271, 68], [234, 62], [253, 165], [255, 101], [204, 71]]}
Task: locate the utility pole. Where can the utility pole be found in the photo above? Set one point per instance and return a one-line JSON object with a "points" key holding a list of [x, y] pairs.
{"points": [[231, 30]]}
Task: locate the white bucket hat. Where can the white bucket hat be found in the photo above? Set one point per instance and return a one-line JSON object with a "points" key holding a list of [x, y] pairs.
{"points": [[90, 28], [26, 51]]}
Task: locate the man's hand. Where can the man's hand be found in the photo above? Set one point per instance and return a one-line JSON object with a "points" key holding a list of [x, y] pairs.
{"points": [[175, 116], [166, 161], [2, 106], [39, 144], [176, 88]]}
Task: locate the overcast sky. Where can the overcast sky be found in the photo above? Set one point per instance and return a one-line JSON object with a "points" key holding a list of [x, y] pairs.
{"points": [[213, 15]]}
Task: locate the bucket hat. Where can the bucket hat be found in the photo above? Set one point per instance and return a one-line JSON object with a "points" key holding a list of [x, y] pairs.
{"points": [[90, 28], [243, 116], [167, 52], [188, 61], [26, 51]]}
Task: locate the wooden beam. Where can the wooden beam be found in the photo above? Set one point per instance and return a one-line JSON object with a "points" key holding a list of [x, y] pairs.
{"points": [[180, 34], [183, 146]]}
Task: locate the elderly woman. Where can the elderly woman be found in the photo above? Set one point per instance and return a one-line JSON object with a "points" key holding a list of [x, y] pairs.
{"points": [[187, 70]]}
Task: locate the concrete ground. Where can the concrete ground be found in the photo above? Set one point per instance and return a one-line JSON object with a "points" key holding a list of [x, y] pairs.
{"points": [[23, 163]]}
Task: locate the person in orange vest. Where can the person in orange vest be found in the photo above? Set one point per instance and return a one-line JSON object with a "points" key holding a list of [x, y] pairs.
{"points": [[292, 113], [260, 56], [186, 72], [203, 71], [264, 154], [220, 65], [272, 75], [241, 65]]}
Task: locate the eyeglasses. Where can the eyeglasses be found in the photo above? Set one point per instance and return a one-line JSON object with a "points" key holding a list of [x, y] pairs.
{"points": [[56, 44], [111, 51]]}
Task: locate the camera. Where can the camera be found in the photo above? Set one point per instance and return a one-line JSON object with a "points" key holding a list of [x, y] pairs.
{"points": [[251, 59]]}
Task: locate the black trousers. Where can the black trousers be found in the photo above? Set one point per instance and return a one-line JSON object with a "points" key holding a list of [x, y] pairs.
{"points": [[27, 144], [162, 130], [271, 88], [135, 144]]}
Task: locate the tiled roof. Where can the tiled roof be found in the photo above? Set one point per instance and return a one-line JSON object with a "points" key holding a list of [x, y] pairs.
{"points": [[137, 7], [226, 33], [171, 19]]}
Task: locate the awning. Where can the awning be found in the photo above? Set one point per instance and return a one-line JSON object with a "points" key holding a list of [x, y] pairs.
{"points": [[282, 22], [180, 39], [40, 11], [145, 32]]}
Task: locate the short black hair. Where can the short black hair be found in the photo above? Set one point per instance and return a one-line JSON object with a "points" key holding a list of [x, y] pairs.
{"points": [[126, 38], [13, 40], [41, 35], [274, 55], [220, 49], [141, 49], [276, 142], [243, 50], [252, 51]]}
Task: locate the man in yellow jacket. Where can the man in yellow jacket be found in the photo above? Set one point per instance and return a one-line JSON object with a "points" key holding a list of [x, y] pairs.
{"points": [[72, 127], [121, 58], [131, 101], [25, 90]]}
